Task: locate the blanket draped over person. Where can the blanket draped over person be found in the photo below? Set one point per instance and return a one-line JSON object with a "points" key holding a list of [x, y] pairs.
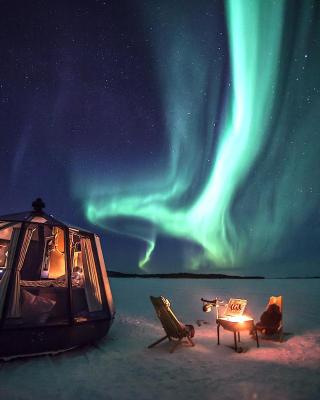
{"points": [[270, 319]]}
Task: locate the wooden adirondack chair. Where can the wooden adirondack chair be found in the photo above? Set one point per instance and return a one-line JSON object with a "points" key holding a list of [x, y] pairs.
{"points": [[278, 334], [175, 330]]}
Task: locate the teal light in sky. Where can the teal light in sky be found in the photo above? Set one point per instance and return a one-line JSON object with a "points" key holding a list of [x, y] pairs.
{"points": [[235, 180], [146, 258]]}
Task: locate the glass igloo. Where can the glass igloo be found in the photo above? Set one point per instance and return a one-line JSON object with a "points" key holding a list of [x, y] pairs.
{"points": [[54, 289]]}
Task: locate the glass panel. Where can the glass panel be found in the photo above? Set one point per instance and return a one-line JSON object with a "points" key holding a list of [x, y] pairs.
{"points": [[2, 223], [39, 219], [9, 234], [106, 284], [86, 294], [6, 230], [40, 294]]}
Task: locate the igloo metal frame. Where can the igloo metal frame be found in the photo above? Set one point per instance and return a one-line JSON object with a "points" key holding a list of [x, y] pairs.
{"points": [[50, 338]]}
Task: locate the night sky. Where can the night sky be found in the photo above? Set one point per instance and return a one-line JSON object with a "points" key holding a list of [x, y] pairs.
{"points": [[186, 133]]}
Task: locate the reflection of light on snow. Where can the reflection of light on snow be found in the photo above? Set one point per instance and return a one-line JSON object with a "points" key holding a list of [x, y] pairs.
{"points": [[301, 350]]}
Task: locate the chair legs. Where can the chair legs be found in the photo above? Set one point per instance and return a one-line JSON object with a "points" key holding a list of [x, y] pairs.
{"points": [[277, 337], [176, 342], [257, 337], [281, 339], [158, 341], [190, 341]]}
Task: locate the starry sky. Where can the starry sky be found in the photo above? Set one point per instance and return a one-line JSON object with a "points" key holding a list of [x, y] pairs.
{"points": [[186, 133]]}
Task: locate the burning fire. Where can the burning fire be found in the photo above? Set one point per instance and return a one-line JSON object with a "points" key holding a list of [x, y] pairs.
{"points": [[237, 318]]}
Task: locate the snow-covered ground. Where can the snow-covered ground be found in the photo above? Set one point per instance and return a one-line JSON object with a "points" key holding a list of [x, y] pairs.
{"points": [[121, 367]]}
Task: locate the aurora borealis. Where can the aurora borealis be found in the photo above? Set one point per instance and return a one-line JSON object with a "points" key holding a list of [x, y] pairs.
{"points": [[247, 141], [190, 123]]}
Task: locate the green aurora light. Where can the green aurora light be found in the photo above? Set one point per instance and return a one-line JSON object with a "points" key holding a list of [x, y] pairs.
{"points": [[216, 188]]}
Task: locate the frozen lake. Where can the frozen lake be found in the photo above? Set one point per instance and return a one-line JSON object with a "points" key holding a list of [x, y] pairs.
{"points": [[121, 367], [301, 297]]}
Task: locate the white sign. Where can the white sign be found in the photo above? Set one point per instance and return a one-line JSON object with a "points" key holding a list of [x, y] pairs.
{"points": [[235, 307]]}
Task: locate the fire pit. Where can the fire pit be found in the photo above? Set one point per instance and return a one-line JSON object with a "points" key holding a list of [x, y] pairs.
{"points": [[232, 319], [235, 322]]}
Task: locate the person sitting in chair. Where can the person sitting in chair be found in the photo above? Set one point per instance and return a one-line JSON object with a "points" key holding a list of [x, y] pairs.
{"points": [[270, 320]]}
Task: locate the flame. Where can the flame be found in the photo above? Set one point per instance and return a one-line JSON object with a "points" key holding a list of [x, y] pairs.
{"points": [[238, 318]]}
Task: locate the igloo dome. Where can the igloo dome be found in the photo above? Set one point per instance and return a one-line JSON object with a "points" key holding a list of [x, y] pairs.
{"points": [[54, 289]]}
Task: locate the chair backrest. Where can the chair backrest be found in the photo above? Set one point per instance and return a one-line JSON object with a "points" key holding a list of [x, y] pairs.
{"points": [[278, 301], [172, 326]]}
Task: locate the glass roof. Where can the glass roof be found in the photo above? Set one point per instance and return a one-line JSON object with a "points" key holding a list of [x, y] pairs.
{"points": [[37, 215]]}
